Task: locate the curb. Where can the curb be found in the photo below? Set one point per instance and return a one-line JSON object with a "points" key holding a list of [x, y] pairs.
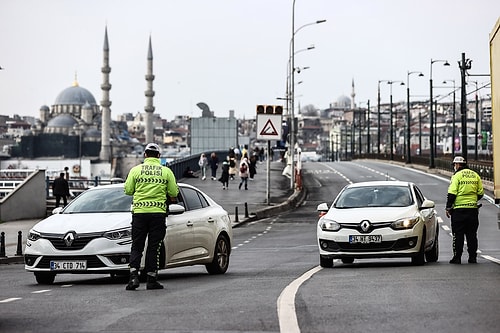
{"points": [[294, 201], [12, 260]]}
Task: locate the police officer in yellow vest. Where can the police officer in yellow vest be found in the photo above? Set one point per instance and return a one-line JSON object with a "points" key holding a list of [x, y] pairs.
{"points": [[151, 184], [465, 189]]}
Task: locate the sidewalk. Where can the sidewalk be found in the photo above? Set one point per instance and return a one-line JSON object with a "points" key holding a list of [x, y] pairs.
{"points": [[242, 205]]}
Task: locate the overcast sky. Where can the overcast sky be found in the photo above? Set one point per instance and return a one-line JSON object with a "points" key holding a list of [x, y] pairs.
{"points": [[233, 54]]}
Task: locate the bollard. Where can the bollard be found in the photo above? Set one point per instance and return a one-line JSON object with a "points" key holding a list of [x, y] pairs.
{"points": [[236, 214], [2, 244], [246, 210], [19, 251]]}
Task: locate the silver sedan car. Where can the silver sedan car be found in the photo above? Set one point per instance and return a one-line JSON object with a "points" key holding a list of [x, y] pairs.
{"points": [[379, 219], [92, 235]]}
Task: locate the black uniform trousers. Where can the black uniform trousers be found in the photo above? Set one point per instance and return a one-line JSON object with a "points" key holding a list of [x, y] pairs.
{"points": [[464, 224], [153, 227]]}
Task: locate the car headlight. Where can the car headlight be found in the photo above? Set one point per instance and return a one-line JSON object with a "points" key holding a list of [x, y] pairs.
{"points": [[406, 223], [118, 234], [33, 236], [329, 225]]}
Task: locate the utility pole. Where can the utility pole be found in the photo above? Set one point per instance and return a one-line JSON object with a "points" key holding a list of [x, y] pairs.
{"points": [[464, 64]]}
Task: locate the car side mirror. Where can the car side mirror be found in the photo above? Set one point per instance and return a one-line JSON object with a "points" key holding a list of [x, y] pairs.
{"points": [[427, 204], [176, 209], [57, 210], [322, 207]]}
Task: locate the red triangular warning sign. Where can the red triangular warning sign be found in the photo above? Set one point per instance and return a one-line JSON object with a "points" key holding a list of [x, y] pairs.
{"points": [[269, 129]]}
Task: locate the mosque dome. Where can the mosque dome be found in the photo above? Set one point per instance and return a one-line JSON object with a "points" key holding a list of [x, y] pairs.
{"points": [[75, 95], [62, 120], [44, 108], [343, 101], [93, 133]]}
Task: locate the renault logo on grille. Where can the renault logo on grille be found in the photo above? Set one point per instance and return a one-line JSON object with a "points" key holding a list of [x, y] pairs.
{"points": [[365, 225], [69, 238]]}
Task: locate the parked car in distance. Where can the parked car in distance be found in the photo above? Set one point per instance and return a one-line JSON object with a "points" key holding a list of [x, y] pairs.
{"points": [[378, 219], [92, 235]]}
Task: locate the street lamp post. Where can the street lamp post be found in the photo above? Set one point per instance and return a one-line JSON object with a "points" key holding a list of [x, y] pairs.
{"points": [[292, 97], [368, 130], [336, 147], [476, 142], [391, 139], [464, 65], [431, 115], [420, 133], [408, 118], [453, 130], [378, 113]]}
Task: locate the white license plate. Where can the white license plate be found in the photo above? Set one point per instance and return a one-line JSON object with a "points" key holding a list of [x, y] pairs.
{"points": [[365, 239], [70, 265]]}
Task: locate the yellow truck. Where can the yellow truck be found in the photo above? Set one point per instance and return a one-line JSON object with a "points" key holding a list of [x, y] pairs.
{"points": [[495, 106]]}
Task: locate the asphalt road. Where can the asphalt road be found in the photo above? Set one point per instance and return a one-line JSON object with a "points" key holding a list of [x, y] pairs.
{"points": [[274, 283]]}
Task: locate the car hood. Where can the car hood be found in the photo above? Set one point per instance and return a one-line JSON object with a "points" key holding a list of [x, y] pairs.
{"points": [[373, 214], [84, 223]]}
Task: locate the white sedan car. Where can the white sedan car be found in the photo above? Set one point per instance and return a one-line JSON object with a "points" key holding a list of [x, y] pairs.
{"points": [[92, 235], [379, 219]]}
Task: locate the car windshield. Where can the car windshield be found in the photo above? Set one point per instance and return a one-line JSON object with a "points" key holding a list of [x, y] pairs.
{"points": [[105, 200], [375, 196]]}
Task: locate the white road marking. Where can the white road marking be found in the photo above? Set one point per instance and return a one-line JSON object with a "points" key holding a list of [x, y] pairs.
{"points": [[7, 300], [286, 303], [40, 291], [490, 258]]}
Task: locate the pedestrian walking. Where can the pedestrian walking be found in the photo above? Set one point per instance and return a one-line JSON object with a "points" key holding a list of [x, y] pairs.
{"points": [[244, 172], [151, 185], [232, 166], [252, 167], [60, 189], [465, 189], [203, 163], [214, 164], [261, 154], [224, 178]]}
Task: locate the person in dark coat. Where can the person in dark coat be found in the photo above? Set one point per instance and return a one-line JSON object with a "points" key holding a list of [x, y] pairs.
{"points": [[224, 178], [252, 168], [213, 161], [60, 189]]}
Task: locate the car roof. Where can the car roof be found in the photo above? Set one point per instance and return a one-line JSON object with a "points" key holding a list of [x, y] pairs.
{"points": [[381, 183]]}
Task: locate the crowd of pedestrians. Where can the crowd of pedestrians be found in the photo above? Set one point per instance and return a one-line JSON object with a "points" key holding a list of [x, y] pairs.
{"points": [[238, 162]]}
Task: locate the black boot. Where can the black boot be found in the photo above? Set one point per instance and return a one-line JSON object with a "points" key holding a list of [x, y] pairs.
{"points": [[472, 260], [152, 282], [133, 282]]}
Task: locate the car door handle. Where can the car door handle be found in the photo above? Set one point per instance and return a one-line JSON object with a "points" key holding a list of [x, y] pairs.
{"points": [[189, 223], [211, 220]]}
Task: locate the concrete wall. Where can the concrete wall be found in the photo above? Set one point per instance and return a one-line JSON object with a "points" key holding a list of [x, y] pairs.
{"points": [[27, 201]]}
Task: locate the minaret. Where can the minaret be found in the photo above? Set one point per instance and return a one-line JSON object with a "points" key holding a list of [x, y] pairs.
{"points": [[149, 93], [105, 153], [353, 94]]}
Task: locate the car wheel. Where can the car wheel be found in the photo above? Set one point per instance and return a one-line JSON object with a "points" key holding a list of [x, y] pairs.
{"points": [[220, 262], [325, 262], [347, 260], [433, 254], [45, 278], [419, 258]]}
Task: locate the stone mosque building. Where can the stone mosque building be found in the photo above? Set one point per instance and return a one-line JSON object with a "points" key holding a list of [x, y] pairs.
{"points": [[75, 125]]}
